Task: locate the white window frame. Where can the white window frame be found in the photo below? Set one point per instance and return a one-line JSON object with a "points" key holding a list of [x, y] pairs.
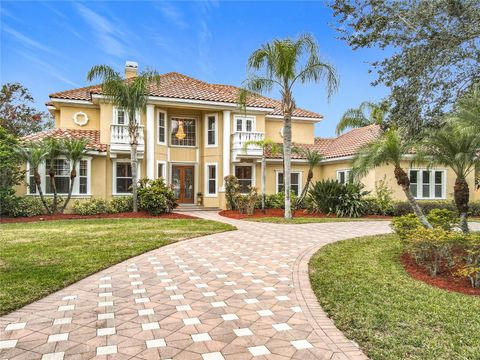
{"points": [[300, 180], [253, 166], [253, 118], [44, 177], [347, 173], [114, 176], [431, 183], [185, 117], [215, 144], [165, 131], [164, 172], [115, 117], [207, 180]]}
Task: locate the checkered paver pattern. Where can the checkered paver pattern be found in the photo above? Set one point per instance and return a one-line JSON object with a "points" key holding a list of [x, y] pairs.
{"points": [[237, 295]]}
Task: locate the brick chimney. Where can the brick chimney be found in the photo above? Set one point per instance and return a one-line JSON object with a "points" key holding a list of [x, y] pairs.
{"points": [[131, 68]]}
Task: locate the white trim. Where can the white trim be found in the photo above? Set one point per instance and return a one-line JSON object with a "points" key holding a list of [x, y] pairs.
{"points": [[431, 183], [150, 141], [215, 144], [165, 131], [347, 172], [185, 117], [300, 180], [207, 179], [254, 172], [226, 118], [164, 173], [115, 116], [253, 118], [78, 122], [44, 178], [114, 174], [70, 101], [297, 118]]}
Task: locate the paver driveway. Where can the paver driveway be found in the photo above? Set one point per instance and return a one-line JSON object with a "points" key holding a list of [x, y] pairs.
{"points": [[237, 295]]}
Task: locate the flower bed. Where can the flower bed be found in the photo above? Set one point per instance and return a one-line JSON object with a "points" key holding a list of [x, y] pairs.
{"points": [[234, 214], [444, 280], [140, 214]]}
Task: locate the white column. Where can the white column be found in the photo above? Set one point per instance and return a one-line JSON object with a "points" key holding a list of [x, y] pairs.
{"points": [[226, 145], [150, 152]]}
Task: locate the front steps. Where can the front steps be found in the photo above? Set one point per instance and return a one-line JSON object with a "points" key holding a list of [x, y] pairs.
{"points": [[193, 208]]}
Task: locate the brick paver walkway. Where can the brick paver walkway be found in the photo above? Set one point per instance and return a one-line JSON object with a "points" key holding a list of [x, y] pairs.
{"points": [[237, 295]]}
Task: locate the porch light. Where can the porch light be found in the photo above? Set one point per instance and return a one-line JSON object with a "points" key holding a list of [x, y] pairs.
{"points": [[180, 135]]}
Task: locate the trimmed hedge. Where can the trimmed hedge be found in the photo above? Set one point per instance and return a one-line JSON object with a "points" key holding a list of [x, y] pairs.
{"points": [[401, 208]]}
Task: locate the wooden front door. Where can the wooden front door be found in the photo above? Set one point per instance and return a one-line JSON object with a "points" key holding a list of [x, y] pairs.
{"points": [[182, 181]]}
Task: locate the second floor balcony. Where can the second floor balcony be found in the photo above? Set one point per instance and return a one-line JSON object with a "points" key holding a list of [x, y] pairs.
{"points": [[120, 138], [240, 138]]}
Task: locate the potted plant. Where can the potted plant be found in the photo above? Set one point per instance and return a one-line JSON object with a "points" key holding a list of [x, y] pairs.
{"points": [[199, 199]]}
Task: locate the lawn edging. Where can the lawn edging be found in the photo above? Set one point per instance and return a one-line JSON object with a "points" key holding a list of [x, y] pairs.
{"points": [[323, 325]]}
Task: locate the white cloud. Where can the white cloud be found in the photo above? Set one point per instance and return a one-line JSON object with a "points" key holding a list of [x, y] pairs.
{"points": [[108, 34], [172, 14], [26, 41]]}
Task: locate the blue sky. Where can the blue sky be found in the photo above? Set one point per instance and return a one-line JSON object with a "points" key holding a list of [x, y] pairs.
{"points": [[50, 46]]}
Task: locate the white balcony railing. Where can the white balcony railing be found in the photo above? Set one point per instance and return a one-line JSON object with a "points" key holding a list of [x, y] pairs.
{"points": [[239, 139], [120, 138]]}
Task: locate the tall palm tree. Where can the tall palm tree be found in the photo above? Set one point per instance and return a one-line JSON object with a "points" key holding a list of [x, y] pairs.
{"points": [[74, 150], [268, 147], [368, 113], [388, 149], [34, 154], [282, 64], [132, 96], [53, 147], [313, 158]]}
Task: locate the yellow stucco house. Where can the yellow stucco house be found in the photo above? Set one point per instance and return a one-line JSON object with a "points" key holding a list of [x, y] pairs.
{"points": [[215, 131]]}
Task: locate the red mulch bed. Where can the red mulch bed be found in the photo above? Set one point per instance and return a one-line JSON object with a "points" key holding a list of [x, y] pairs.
{"points": [[126, 215], [445, 280], [234, 214]]}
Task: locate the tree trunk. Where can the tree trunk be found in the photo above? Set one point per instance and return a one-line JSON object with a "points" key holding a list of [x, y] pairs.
{"points": [[461, 194], [288, 106], [51, 173], [73, 175], [133, 132], [264, 180], [305, 188], [38, 183], [404, 182]]}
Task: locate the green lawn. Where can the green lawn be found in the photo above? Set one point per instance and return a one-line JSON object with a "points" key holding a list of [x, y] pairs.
{"points": [[308, 220], [364, 288], [39, 258]]}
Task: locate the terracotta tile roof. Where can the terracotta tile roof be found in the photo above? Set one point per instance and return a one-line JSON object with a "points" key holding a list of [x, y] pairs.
{"points": [[178, 86], [345, 145], [93, 137]]}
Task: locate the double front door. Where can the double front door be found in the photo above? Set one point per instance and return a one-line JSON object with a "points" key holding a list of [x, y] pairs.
{"points": [[183, 183]]}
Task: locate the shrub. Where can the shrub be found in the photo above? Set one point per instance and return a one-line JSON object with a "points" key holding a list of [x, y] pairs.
{"points": [[474, 208], [276, 201], [403, 225], [383, 198], [23, 206], [431, 247], [401, 208], [245, 203], [156, 197], [120, 204], [90, 207], [329, 196], [471, 268], [443, 218], [232, 189], [351, 202]]}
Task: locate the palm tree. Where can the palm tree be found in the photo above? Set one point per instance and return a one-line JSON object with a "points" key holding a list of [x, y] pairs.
{"points": [[132, 96], [313, 158], [74, 150], [368, 113], [283, 64], [268, 147], [388, 149], [53, 148], [34, 154]]}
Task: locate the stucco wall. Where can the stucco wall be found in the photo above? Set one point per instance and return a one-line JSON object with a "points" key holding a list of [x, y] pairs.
{"points": [[302, 132]]}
